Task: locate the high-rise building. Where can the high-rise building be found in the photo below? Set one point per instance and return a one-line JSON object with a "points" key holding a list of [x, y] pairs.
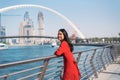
{"points": [[2, 31], [26, 17], [26, 29], [41, 26]]}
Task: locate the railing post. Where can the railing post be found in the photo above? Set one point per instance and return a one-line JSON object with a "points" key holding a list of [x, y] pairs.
{"points": [[105, 57], [97, 60], [41, 77], [78, 58], [85, 67], [92, 64], [61, 73], [102, 59], [108, 56], [6, 77], [112, 57]]}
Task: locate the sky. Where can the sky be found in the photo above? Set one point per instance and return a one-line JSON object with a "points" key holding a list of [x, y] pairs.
{"points": [[93, 18]]}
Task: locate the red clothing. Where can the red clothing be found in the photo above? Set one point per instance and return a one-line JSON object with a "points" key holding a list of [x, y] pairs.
{"points": [[71, 71]]}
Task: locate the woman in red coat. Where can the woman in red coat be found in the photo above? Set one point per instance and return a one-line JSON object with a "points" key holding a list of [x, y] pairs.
{"points": [[71, 71]]}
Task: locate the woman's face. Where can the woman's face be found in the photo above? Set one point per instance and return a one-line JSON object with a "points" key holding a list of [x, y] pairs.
{"points": [[60, 36]]}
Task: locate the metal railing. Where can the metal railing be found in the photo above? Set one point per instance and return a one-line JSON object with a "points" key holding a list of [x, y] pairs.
{"points": [[95, 60], [90, 63]]}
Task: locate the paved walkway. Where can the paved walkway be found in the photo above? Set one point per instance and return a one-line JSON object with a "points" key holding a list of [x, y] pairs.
{"points": [[112, 72]]}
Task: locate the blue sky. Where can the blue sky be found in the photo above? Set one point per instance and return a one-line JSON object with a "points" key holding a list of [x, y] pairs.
{"points": [[94, 18]]}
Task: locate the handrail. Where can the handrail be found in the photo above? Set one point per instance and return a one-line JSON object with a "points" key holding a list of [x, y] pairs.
{"points": [[46, 69], [25, 61]]}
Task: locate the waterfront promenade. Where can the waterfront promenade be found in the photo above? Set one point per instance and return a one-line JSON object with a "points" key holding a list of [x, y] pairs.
{"points": [[102, 63], [112, 71]]}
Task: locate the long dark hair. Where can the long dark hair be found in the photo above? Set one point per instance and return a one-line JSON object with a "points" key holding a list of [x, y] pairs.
{"points": [[66, 38]]}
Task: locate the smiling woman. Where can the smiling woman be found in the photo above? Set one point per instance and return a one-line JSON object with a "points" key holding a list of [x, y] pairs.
{"points": [[71, 71]]}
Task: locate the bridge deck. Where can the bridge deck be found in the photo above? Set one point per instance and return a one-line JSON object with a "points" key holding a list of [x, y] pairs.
{"points": [[112, 72]]}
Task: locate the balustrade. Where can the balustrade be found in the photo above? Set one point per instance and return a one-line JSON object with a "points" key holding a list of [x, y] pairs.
{"points": [[90, 63]]}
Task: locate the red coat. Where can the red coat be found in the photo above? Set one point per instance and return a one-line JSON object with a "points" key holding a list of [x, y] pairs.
{"points": [[71, 71]]}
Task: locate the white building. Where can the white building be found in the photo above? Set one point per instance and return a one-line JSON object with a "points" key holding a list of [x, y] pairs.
{"points": [[41, 27], [26, 28]]}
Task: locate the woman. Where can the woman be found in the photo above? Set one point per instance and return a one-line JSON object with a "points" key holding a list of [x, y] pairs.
{"points": [[71, 71]]}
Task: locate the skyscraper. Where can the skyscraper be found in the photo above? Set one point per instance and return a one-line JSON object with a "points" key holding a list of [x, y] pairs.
{"points": [[26, 17], [2, 31], [40, 26], [26, 29]]}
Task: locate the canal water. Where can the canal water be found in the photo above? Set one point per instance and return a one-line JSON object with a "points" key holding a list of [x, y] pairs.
{"points": [[18, 53]]}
